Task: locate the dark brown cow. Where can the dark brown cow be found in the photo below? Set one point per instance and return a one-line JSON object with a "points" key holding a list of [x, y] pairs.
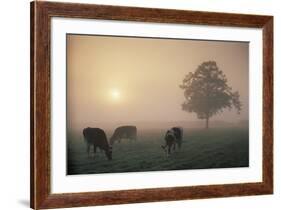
{"points": [[178, 132], [97, 138], [173, 137], [124, 132]]}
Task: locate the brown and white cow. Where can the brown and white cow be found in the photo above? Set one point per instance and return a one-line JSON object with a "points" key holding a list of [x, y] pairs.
{"points": [[173, 137]]}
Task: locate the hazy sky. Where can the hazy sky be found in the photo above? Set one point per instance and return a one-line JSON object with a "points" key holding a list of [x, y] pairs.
{"points": [[137, 79]]}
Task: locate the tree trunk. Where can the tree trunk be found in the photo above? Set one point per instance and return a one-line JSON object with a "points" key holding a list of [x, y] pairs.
{"points": [[207, 123]]}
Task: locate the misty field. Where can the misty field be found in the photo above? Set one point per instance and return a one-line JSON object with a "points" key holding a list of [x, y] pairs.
{"points": [[201, 149]]}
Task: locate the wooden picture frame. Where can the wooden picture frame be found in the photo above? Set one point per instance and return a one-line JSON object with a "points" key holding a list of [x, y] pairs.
{"points": [[41, 14]]}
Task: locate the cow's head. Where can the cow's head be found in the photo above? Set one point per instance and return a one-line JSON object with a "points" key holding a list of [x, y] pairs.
{"points": [[111, 140], [108, 153]]}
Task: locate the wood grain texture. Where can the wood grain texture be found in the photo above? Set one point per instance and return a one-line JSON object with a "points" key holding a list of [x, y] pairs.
{"points": [[32, 142], [41, 14], [268, 104]]}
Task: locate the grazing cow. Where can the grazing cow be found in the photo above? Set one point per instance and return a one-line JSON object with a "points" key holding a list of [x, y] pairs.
{"points": [[178, 132], [124, 132], [97, 138], [173, 137]]}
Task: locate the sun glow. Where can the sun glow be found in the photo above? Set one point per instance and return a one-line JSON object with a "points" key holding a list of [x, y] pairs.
{"points": [[115, 94]]}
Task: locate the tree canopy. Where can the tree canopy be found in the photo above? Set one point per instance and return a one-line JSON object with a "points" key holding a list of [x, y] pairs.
{"points": [[207, 93]]}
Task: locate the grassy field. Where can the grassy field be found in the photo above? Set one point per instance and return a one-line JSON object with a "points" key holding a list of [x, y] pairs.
{"points": [[201, 149]]}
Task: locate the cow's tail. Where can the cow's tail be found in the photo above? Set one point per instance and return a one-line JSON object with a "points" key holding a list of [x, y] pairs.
{"points": [[84, 136], [181, 133], [180, 137]]}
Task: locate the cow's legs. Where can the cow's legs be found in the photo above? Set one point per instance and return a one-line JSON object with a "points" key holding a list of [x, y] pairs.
{"points": [[174, 147], [88, 150], [179, 145], [94, 151], [169, 150]]}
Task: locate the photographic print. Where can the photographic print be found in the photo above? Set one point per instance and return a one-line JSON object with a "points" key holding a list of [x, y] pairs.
{"points": [[138, 104]]}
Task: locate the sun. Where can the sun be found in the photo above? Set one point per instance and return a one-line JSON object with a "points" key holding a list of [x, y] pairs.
{"points": [[115, 94]]}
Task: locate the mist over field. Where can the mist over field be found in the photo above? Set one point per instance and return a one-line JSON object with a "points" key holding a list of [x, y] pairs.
{"points": [[151, 125]]}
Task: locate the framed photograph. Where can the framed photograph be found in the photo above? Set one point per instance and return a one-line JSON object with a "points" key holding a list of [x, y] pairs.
{"points": [[136, 105]]}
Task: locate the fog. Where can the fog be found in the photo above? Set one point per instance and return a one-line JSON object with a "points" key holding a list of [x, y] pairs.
{"points": [[129, 80]]}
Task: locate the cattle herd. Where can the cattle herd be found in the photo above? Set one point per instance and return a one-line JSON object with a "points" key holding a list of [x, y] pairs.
{"points": [[96, 138]]}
